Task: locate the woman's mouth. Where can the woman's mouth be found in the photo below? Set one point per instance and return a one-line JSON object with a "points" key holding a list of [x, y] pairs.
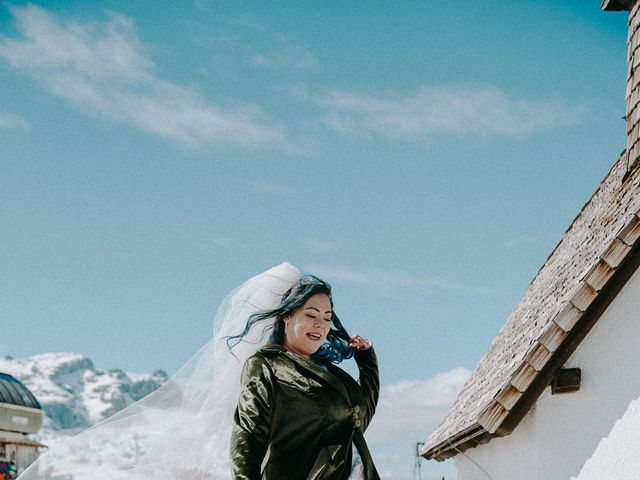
{"points": [[314, 336]]}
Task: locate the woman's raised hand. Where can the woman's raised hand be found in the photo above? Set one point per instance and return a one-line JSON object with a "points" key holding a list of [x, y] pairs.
{"points": [[359, 343]]}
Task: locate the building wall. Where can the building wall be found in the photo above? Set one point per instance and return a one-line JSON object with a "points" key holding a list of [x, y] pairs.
{"points": [[21, 455], [562, 431]]}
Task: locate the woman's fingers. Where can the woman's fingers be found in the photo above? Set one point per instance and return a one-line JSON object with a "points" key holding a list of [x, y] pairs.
{"points": [[359, 343]]}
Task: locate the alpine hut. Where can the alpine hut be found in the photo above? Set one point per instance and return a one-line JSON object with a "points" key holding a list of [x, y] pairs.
{"points": [[20, 415], [557, 396]]}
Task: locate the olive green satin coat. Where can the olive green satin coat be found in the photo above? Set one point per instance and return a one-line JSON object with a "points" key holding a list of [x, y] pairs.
{"points": [[307, 418]]}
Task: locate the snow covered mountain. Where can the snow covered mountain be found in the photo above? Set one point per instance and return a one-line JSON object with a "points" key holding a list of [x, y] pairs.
{"points": [[75, 394]]}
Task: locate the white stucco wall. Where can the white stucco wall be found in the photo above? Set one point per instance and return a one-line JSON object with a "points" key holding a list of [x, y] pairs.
{"points": [[562, 432]]}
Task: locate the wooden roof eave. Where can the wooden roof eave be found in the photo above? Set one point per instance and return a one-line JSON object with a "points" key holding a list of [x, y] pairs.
{"points": [[593, 294], [23, 441], [469, 438], [615, 5], [542, 378]]}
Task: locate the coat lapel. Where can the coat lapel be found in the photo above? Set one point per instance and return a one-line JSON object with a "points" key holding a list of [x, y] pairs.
{"points": [[319, 372], [310, 366]]}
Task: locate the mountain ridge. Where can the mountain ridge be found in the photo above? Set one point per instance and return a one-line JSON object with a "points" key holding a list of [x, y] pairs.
{"points": [[73, 393]]}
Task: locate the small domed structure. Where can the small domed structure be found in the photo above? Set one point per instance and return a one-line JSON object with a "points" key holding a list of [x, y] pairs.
{"points": [[20, 414], [12, 391]]}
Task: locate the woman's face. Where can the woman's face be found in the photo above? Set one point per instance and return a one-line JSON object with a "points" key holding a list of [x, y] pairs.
{"points": [[307, 327]]}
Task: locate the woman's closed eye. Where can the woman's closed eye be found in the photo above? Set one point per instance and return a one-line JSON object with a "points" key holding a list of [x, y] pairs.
{"points": [[313, 317]]}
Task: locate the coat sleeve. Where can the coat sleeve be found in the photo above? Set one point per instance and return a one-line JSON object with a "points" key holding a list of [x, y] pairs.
{"points": [[252, 419], [369, 380]]}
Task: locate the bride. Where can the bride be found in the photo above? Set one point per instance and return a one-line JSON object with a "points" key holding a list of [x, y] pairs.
{"points": [[297, 415]]}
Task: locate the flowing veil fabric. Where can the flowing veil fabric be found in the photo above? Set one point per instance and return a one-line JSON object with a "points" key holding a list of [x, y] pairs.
{"points": [[181, 430]]}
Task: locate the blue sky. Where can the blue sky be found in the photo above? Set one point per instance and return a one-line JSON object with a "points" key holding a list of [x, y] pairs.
{"points": [[423, 157]]}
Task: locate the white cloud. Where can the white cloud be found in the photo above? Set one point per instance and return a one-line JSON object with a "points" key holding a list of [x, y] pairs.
{"points": [[10, 120], [255, 44], [408, 411], [287, 55], [415, 406], [104, 68], [388, 282], [376, 279], [442, 110], [215, 246]]}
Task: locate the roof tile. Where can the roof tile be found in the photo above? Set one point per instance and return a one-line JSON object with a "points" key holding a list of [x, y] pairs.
{"points": [[573, 271]]}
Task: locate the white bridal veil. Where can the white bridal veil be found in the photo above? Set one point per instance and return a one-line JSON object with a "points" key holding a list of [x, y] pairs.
{"points": [[180, 431]]}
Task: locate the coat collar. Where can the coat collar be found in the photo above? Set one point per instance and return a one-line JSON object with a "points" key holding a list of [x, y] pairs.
{"points": [[310, 366]]}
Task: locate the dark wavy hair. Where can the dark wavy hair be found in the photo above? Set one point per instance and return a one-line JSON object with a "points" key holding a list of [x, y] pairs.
{"points": [[334, 349]]}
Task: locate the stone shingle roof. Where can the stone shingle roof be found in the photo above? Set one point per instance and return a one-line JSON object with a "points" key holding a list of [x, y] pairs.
{"points": [[592, 248]]}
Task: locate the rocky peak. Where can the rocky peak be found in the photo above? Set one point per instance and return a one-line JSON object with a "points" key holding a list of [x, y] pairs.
{"points": [[74, 394]]}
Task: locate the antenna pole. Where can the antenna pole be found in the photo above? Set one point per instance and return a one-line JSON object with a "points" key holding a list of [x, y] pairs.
{"points": [[417, 463]]}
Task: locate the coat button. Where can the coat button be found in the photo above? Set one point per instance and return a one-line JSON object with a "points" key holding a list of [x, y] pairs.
{"points": [[356, 409], [357, 423], [312, 393]]}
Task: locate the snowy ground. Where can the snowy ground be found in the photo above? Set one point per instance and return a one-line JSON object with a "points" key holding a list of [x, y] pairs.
{"points": [[75, 395]]}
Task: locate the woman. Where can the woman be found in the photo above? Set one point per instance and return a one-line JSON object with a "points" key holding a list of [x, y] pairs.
{"points": [[295, 404], [183, 429]]}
